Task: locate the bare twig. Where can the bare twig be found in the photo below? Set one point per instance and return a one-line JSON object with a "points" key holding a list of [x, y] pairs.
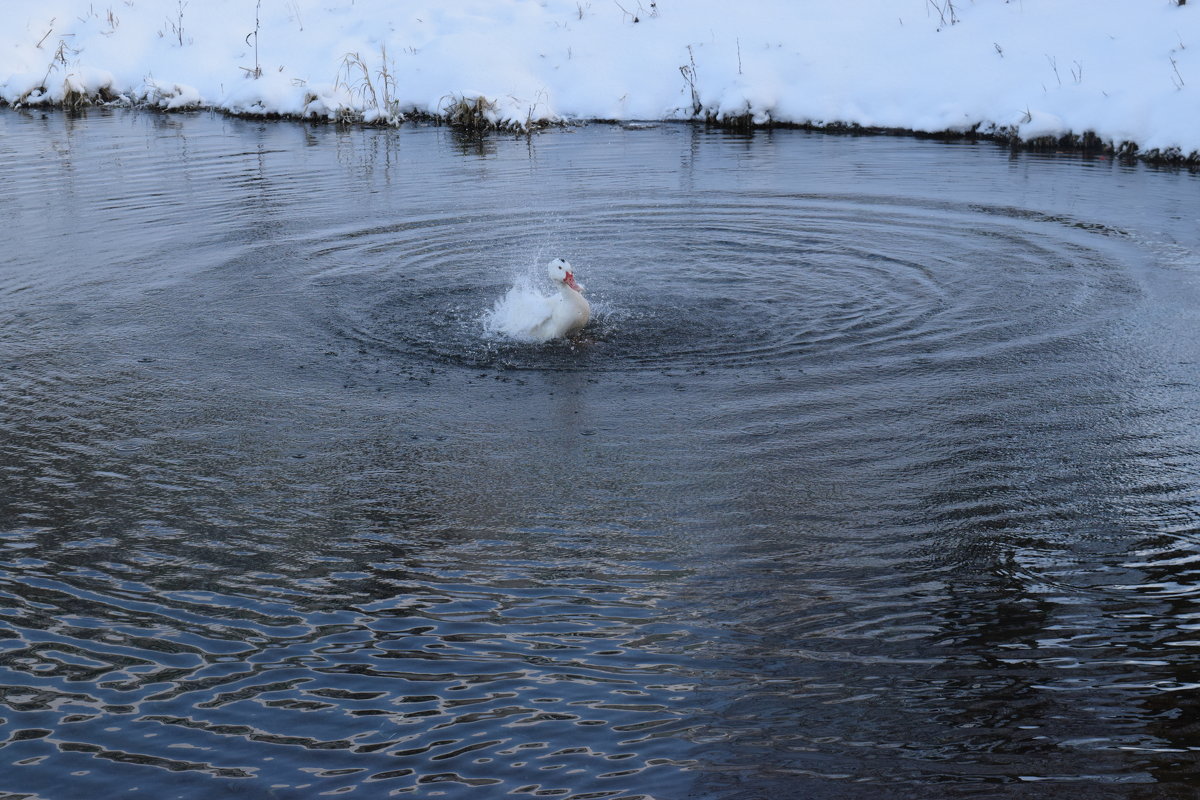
{"points": [[1054, 66], [177, 24], [39, 44], [942, 11], [257, 72], [689, 75]]}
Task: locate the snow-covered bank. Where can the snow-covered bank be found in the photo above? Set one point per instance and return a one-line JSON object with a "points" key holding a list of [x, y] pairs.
{"points": [[1128, 78]]}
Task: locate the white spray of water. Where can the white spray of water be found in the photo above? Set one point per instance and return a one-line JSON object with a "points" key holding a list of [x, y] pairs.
{"points": [[521, 308]]}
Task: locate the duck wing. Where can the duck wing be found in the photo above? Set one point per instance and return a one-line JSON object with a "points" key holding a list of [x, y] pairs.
{"points": [[550, 324]]}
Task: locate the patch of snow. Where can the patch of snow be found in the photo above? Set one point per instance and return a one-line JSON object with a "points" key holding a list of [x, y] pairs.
{"points": [[1036, 69], [168, 96], [1039, 124]]}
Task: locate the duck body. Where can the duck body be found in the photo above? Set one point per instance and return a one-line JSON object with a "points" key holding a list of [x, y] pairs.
{"points": [[542, 318], [567, 313]]}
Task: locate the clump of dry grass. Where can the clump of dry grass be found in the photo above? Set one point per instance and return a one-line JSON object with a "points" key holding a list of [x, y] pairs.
{"points": [[75, 94], [471, 113], [376, 89]]}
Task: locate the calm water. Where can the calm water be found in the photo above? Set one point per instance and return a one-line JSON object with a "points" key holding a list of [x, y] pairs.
{"points": [[875, 475]]}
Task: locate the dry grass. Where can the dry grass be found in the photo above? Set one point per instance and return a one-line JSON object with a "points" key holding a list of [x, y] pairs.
{"points": [[688, 71], [256, 73], [470, 113], [375, 89]]}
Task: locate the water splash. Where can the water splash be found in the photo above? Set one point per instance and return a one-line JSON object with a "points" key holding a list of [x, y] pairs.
{"points": [[521, 314], [515, 314]]}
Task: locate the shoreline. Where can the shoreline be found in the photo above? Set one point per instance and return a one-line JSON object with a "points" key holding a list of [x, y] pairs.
{"points": [[1087, 143]]}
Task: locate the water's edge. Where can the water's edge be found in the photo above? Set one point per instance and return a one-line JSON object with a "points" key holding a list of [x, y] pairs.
{"points": [[467, 117]]}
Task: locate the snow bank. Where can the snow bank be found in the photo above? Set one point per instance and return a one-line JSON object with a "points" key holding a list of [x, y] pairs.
{"points": [[1023, 68]]}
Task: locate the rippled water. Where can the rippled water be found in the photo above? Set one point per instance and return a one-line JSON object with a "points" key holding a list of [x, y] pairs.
{"points": [[874, 476]]}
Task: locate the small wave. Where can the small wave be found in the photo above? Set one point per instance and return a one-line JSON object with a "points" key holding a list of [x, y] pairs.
{"points": [[754, 281]]}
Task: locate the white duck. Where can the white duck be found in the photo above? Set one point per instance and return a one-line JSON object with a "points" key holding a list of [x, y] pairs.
{"points": [[571, 311], [534, 317]]}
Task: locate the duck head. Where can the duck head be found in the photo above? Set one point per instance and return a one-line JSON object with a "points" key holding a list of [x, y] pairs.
{"points": [[560, 272]]}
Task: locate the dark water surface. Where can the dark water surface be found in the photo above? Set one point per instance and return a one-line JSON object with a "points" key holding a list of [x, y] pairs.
{"points": [[875, 476]]}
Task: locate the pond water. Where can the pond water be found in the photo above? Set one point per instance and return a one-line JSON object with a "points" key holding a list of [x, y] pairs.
{"points": [[875, 474]]}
